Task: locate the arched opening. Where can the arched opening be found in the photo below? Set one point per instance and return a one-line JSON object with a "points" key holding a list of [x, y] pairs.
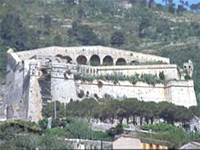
{"points": [[134, 62], [69, 59], [82, 60], [59, 56], [95, 60], [121, 61], [108, 60]]}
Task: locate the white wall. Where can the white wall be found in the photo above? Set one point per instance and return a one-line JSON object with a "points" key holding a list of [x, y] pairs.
{"points": [[127, 143], [177, 92], [125, 89], [88, 51], [181, 92]]}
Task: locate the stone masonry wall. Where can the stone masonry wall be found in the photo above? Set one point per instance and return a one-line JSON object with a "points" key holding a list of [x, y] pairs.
{"points": [[88, 51], [181, 92], [24, 95], [177, 92]]}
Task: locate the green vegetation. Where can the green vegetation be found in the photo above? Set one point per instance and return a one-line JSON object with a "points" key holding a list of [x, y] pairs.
{"points": [[147, 78], [26, 135], [73, 128], [174, 135], [109, 109], [129, 109], [146, 27], [31, 141], [152, 63]]}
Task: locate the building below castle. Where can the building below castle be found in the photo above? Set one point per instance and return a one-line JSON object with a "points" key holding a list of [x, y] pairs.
{"points": [[67, 74]]}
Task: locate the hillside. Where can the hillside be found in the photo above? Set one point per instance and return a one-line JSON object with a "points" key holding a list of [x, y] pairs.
{"points": [[155, 29]]}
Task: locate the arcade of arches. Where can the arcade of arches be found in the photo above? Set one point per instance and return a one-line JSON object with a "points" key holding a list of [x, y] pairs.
{"points": [[95, 60]]}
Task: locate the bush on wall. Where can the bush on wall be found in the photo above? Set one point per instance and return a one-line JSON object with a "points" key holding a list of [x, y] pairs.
{"points": [[147, 78]]}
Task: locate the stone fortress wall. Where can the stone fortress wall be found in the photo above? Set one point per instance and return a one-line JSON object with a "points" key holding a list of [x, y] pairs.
{"points": [[179, 92], [86, 53], [39, 75]]}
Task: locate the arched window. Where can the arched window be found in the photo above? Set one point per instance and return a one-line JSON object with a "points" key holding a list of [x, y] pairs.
{"points": [[82, 60], [95, 60], [134, 62], [69, 59], [121, 61], [108, 60], [59, 56]]}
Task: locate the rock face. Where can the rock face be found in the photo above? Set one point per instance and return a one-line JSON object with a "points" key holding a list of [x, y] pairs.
{"points": [[43, 75]]}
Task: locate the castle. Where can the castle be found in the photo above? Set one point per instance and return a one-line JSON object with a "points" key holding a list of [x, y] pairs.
{"points": [[73, 73]]}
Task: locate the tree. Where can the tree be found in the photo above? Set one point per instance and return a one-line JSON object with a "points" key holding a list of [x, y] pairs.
{"points": [[166, 1], [81, 12], [78, 129], [115, 131], [84, 34], [32, 141], [14, 33], [167, 111], [121, 113], [117, 38], [143, 25], [195, 110], [171, 8], [195, 7], [57, 40], [183, 115], [150, 3], [184, 3], [150, 111], [130, 106], [47, 21], [181, 9]]}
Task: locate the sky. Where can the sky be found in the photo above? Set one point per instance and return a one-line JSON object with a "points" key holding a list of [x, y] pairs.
{"points": [[177, 1]]}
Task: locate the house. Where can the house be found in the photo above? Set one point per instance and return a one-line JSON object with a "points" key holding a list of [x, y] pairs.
{"points": [[130, 142], [191, 145], [83, 144]]}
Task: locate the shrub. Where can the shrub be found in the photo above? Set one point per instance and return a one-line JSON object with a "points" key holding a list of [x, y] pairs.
{"points": [[148, 78], [56, 131], [174, 135], [115, 131]]}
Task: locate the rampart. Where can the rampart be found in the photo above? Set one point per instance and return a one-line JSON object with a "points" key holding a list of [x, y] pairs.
{"points": [[178, 92], [38, 76]]}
